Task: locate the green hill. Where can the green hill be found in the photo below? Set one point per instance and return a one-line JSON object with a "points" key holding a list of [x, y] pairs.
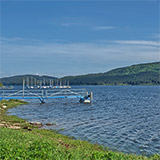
{"points": [[141, 74], [17, 80], [135, 69]]}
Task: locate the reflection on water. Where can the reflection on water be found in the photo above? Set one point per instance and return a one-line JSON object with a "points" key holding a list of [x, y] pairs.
{"points": [[124, 118]]}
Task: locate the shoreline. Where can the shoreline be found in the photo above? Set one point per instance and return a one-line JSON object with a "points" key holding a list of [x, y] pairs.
{"points": [[32, 142]]}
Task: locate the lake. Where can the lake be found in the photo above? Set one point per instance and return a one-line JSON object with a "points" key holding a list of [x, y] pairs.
{"points": [[123, 118]]}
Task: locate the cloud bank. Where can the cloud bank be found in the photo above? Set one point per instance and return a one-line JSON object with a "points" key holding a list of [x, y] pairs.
{"points": [[74, 58]]}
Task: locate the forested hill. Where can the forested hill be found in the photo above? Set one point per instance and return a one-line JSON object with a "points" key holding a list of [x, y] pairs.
{"points": [[141, 74], [18, 80], [135, 69]]}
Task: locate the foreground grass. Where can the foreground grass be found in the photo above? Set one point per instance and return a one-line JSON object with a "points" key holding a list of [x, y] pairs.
{"points": [[28, 143]]}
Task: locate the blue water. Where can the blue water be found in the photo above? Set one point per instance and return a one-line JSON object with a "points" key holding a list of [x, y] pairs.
{"points": [[123, 118]]}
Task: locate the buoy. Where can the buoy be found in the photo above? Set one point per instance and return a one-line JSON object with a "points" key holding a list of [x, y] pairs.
{"points": [[87, 101]]}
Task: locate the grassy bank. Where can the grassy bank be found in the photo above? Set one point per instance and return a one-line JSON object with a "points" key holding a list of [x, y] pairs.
{"points": [[20, 140], [1, 85]]}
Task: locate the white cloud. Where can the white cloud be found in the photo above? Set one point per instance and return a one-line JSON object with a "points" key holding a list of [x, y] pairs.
{"points": [[91, 51], [103, 27], [138, 42], [78, 58], [13, 39]]}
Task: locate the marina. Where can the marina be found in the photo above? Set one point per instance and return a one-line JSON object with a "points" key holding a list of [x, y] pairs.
{"points": [[33, 83], [46, 92]]}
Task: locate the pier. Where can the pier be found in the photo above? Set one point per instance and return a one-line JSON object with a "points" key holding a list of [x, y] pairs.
{"points": [[43, 94]]}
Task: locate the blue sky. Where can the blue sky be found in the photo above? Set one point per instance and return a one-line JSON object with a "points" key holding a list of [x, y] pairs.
{"points": [[60, 38]]}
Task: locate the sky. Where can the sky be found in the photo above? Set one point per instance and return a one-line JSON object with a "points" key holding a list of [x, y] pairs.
{"points": [[61, 38]]}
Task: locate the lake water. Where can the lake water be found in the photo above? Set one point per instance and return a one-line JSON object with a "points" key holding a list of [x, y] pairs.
{"points": [[123, 118]]}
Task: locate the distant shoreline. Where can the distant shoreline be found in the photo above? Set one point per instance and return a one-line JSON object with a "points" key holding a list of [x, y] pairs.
{"points": [[140, 74]]}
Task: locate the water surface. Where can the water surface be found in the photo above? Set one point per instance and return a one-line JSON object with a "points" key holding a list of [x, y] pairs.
{"points": [[123, 118]]}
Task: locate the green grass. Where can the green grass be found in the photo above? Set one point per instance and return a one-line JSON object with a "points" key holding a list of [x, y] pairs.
{"points": [[1, 85], [11, 120], [41, 144]]}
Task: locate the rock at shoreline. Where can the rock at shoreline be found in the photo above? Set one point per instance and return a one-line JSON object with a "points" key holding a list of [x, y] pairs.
{"points": [[26, 127], [4, 106], [39, 124]]}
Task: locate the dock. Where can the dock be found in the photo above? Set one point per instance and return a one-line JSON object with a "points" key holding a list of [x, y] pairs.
{"points": [[43, 94]]}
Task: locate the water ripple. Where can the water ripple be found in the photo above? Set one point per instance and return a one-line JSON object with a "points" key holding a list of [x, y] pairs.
{"points": [[124, 118]]}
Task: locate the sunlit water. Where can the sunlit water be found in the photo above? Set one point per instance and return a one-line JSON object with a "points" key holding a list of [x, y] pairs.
{"points": [[123, 118]]}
